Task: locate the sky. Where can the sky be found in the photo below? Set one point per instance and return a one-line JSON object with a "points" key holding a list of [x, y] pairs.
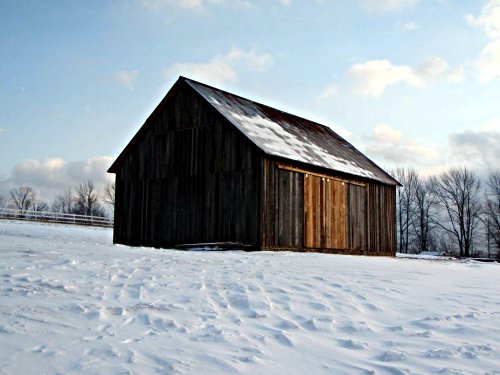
{"points": [[408, 82]]}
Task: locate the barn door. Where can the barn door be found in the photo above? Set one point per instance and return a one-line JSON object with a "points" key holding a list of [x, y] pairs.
{"points": [[290, 208], [356, 218], [324, 213]]}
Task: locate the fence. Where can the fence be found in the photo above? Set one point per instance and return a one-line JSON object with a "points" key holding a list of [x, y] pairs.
{"points": [[55, 217]]}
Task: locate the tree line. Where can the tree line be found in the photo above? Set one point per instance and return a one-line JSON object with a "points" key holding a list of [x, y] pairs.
{"points": [[455, 212], [80, 199]]}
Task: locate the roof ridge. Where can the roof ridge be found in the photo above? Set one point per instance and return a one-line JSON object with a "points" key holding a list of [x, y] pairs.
{"points": [[260, 104]]}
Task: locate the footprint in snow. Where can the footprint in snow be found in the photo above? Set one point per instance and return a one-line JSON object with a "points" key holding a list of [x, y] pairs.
{"points": [[425, 334], [393, 355], [319, 306], [353, 344], [287, 324], [283, 338], [372, 307]]}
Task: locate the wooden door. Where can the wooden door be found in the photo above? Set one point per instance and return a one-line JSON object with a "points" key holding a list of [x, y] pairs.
{"points": [[356, 218], [324, 213], [290, 208], [335, 207]]}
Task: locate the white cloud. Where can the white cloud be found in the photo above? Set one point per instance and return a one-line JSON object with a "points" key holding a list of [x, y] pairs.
{"points": [[391, 146], [457, 75], [329, 91], [286, 2], [161, 5], [488, 62], [385, 133], [431, 68], [476, 148], [479, 148], [192, 4], [199, 6], [251, 58], [221, 68], [410, 26], [373, 77], [215, 72], [489, 20], [3, 130], [50, 177], [386, 5], [126, 78]]}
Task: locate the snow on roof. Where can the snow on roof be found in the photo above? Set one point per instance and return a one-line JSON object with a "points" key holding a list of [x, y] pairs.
{"points": [[284, 135]]}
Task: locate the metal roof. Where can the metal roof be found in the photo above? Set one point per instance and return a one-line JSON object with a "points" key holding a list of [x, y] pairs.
{"points": [[284, 135]]}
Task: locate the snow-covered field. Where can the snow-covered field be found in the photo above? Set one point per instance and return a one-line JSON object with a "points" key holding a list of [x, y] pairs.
{"points": [[71, 302]]}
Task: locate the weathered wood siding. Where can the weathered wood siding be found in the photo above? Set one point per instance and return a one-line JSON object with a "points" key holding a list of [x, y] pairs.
{"points": [[317, 212], [283, 209], [192, 177]]}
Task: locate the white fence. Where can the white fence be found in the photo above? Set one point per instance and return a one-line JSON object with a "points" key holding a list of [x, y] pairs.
{"points": [[55, 217]]}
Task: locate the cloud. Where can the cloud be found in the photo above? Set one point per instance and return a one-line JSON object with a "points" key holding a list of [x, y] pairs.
{"points": [[216, 71], [410, 26], [386, 5], [126, 78], [488, 63], [489, 20], [391, 146], [50, 177], [457, 75], [431, 68], [198, 6], [3, 130], [481, 148], [161, 5], [373, 77], [222, 68], [328, 92]]}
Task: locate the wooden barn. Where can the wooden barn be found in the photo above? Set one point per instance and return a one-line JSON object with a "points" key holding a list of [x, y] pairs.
{"points": [[209, 166]]}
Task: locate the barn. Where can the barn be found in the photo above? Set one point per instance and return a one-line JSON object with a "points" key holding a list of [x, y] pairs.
{"points": [[211, 167]]}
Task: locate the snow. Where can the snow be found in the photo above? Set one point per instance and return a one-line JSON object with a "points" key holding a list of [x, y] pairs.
{"points": [[277, 137], [72, 302]]}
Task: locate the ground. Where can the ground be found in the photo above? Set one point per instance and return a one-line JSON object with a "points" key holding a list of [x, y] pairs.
{"points": [[72, 302]]}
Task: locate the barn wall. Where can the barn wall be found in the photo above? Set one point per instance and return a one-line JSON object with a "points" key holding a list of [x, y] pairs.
{"points": [[283, 208], [191, 178], [312, 212]]}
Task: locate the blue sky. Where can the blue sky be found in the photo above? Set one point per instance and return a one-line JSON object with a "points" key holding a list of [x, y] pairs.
{"points": [[409, 82]]}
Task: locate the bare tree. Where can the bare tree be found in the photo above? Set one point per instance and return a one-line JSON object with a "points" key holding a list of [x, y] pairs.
{"points": [[64, 202], [3, 201], [425, 203], [108, 195], [457, 193], [491, 217], [405, 205], [40, 206], [23, 197], [87, 201]]}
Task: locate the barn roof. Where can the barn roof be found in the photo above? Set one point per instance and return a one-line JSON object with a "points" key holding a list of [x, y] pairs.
{"points": [[283, 135]]}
